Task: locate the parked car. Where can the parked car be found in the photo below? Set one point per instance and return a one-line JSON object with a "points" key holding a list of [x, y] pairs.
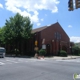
{"points": [[2, 52]]}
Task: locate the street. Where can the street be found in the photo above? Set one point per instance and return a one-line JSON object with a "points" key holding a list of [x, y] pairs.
{"points": [[35, 69]]}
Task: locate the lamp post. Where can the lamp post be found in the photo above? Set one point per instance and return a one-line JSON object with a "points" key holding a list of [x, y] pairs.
{"points": [[59, 46], [71, 50], [52, 46]]}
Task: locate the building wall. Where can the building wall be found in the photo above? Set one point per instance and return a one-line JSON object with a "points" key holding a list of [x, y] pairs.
{"points": [[52, 44], [49, 35]]}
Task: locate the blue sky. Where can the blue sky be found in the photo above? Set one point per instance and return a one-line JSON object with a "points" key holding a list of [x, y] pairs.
{"points": [[44, 12]]}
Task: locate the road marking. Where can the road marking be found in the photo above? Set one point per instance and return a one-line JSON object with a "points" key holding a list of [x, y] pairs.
{"points": [[31, 60], [1, 63], [11, 61]]}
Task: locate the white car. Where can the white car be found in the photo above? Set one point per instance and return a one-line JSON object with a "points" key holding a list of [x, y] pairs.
{"points": [[2, 52]]}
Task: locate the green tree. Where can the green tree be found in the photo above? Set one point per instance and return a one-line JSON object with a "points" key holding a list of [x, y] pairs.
{"points": [[17, 28], [76, 50], [2, 35]]}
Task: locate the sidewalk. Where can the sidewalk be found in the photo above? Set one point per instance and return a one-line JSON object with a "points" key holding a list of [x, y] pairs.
{"points": [[62, 58]]}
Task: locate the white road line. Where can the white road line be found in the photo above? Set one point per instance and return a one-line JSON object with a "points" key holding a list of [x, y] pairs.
{"points": [[30, 60], [78, 61], [20, 60], [11, 61], [1, 63]]}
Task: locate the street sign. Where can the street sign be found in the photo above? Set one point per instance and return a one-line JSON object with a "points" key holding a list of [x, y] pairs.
{"points": [[43, 41], [43, 46]]}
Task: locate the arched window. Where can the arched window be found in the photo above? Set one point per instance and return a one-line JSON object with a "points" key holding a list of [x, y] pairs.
{"points": [[57, 35]]}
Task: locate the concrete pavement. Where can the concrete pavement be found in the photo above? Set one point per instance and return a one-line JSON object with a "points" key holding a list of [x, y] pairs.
{"points": [[34, 69], [62, 58]]}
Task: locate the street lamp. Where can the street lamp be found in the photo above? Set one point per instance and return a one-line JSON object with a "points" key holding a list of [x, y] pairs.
{"points": [[71, 50], [59, 47], [52, 46]]}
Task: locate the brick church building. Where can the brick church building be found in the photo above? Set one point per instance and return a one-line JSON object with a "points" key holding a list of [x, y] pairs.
{"points": [[54, 38]]}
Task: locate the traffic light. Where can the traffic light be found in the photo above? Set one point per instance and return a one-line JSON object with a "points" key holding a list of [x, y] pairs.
{"points": [[70, 5], [77, 4]]}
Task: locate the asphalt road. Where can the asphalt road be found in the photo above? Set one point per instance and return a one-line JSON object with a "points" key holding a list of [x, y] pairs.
{"points": [[33, 69]]}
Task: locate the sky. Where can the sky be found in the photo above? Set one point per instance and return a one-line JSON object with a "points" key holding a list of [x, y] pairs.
{"points": [[44, 12]]}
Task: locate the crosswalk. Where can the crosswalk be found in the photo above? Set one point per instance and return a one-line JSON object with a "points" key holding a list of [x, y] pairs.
{"points": [[6, 61], [1, 63], [17, 60]]}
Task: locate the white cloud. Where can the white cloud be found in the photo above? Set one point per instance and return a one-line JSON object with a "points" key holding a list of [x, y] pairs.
{"points": [[42, 19], [49, 24], [38, 24], [70, 26], [1, 6], [75, 39], [29, 6]]}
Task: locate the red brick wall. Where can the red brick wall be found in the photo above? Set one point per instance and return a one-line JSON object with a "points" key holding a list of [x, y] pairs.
{"points": [[49, 35], [49, 32]]}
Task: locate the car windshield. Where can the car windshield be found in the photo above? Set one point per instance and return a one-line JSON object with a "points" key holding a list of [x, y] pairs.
{"points": [[2, 50]]}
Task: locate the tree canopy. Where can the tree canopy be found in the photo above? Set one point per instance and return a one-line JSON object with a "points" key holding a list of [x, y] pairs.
{"points": [[17, 27]]}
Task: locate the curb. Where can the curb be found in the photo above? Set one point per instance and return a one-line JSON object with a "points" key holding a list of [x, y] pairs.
{"points": [[68, 58], [63, 58]]}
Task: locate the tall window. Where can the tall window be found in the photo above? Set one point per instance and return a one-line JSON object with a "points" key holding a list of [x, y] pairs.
{"points": [[57, 35]]}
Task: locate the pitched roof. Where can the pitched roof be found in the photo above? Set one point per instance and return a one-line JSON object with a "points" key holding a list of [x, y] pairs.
{"points": [[42, 28], [39, 29]]}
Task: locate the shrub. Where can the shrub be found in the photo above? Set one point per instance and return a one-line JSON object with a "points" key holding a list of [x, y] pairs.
{"points": [[16, 51], [63, 53], [42, 52], [76, 50]]}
